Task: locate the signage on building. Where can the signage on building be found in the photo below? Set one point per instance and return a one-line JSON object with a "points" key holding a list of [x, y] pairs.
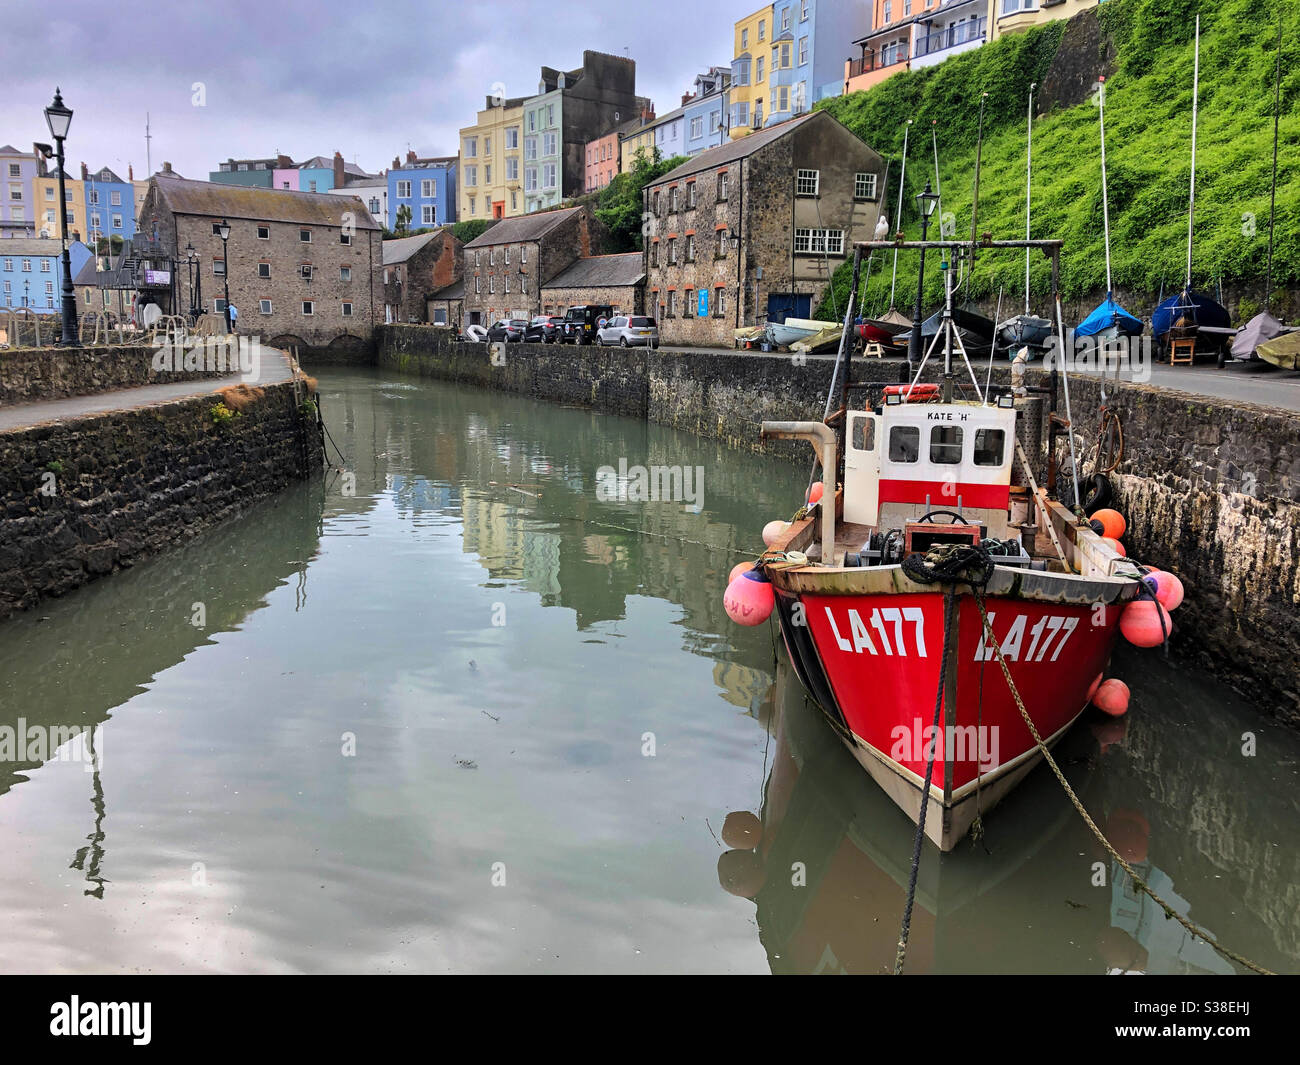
{"points": [[157, 277], [704, 303]]}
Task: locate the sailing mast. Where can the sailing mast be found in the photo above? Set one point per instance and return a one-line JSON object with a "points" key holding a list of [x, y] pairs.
{"points": [[898, 221], [938, 185], [1029, 177], [975, 199], [1191, 202], [1105, 200], [1272, 210]]}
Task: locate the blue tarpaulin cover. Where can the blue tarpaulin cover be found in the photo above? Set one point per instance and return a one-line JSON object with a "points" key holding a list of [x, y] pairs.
{"points": [[1108, 314]]}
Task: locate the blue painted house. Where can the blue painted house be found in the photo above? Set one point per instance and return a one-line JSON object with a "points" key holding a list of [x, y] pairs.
{"points": [[704, 113], [807, 56], [30, 272], [110, 205], [319, 174], [427, 187]]}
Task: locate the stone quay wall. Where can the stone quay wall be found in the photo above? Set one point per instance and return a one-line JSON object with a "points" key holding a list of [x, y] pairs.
{"points": [[31, 374], [83, 497], [1210, 488]]}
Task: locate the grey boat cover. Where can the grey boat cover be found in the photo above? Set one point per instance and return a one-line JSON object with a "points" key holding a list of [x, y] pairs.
{"points": [[1261, 328]]}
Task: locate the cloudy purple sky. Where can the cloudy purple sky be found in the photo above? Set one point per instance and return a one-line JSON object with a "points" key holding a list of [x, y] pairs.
{"points": [[310, 78]]}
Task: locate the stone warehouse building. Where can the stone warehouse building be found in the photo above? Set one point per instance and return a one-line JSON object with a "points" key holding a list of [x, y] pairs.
{"points": [[414, 269], [508, 264], [302, 267], [752, 231], [618, 280]]}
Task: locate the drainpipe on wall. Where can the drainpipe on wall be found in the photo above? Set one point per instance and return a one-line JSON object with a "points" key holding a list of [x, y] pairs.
{"points": [[740, 253]]}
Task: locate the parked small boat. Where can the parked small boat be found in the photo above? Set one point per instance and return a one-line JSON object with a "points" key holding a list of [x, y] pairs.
{"points": [[783, 334], [1108, 319], [1259, 330], [1024, 331], [976, 330], [826, 337], [1282, 352], [884, 330]]}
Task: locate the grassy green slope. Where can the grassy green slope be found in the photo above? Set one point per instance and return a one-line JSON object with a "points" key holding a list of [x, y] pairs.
{"points": [[1148, 149]]}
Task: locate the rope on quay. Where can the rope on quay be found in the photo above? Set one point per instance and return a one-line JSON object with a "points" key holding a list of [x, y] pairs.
{"points": [[971, 564]]}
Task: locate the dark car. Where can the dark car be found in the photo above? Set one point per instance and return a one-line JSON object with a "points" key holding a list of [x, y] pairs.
{"points": [[543, 329], [581, 323], [511, 330]]}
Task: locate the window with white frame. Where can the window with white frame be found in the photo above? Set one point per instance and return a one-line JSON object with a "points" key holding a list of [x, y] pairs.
{"points": [[264, 306], [264, 232], [785, 19], [428, 215], [305, 271], [512, 169], [819, 242], [471, 147], [264, 270], [722, 185], [471, 176], [304, 236], [530, 149], [758, 70], [803, 51], [426, 188], [1010, 7], [864, 186], [550, 145], [548, 176], [803, 11], [720, 302], [117, 221], [345, 238], [345, 273], [722, 243], [403, 190], [690, 247], [115, 199], [512, 139], [308, 308], [218, 267], [690, 194], [806, 182], [45, 266], [697, 127], [347, 310], [672, 251]]}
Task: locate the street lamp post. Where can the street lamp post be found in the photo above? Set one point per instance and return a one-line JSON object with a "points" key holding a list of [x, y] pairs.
{"points": [[927, 201], [191, 261], [59, 117], [26, 287], [223, 231]]}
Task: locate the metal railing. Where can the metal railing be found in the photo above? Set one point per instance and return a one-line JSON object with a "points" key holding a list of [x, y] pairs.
{"points": [[958, 33], [871, 62]]}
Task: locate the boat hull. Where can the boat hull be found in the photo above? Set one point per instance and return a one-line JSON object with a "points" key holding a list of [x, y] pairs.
{"points": [[872, 663]]}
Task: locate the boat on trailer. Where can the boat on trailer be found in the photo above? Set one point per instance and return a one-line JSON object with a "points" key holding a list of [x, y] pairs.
{"points": [[924, 467]]}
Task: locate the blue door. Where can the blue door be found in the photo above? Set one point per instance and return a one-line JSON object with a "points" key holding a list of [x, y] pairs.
{"points": [[783, 305]]}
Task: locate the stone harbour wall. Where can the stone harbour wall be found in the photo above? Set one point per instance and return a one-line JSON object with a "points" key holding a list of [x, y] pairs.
{"points": [[1210, 488], [83, 497], [31, 374]]}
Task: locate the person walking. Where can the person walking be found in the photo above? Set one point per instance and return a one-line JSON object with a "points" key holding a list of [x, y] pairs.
{"points": [[234, 318]]}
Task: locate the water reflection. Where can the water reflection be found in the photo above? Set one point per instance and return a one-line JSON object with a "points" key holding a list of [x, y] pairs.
{"points": [[826, 863]]}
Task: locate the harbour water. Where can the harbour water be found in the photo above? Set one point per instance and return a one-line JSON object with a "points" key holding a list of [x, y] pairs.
{"points": [[460, 707]]}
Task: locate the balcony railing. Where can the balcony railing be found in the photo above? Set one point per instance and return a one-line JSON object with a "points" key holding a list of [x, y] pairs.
{"points": [[871, 62], [958, 33]]}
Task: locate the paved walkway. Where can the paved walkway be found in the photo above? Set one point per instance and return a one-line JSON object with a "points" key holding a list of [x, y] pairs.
{"points": [[1244, 382], [275, 367]]}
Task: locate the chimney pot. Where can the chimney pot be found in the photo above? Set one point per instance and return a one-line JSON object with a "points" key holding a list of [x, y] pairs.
{"points": [[85, 174]]}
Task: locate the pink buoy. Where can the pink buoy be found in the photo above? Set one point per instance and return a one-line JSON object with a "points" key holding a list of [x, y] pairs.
{"points": [[1141, 623], [749, 599], [816, 492], [1112, 697], [738, 569], [773, 530], [1168, 589], [1115, 546]]}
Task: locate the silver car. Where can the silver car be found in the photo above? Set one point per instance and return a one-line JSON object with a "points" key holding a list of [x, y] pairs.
{"points": [[628, 330]]}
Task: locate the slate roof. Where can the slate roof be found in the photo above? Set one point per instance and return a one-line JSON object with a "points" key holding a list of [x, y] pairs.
{"points": [[604, 271], [454, 291], [9, 149], [14, 246], [525, 227], [319, 162], [111, 179], [398, 251], [114, 277], [740, 148], [212, 199]]}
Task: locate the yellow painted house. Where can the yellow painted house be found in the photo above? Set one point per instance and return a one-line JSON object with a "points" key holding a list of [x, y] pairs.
{"points": [[749, 72], [630, 142], [491, 178], [1011, 16], [45, 198]]}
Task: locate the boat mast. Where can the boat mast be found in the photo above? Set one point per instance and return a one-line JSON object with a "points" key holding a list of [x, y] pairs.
{"points": [[938, 186], [898, 220], [1191, 202], [975, 199], [1272, 210], [1105, 203], [1029, 173]]}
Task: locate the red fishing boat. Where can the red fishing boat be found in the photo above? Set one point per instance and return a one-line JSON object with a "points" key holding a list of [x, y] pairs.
{"points": [[869, 630]]}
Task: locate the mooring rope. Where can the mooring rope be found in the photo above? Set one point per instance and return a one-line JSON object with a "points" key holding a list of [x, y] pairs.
{"points": [[971, 564]]}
